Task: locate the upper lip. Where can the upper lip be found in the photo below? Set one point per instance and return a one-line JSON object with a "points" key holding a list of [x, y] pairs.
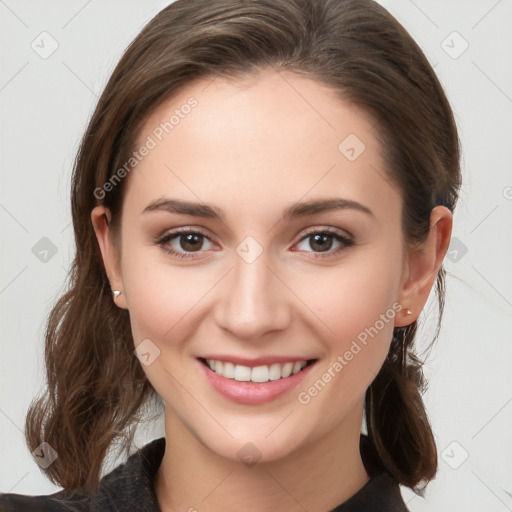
{"points": [[258, 361]]}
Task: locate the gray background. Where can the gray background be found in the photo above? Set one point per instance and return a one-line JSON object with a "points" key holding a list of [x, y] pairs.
{"points": [[46, 100]]}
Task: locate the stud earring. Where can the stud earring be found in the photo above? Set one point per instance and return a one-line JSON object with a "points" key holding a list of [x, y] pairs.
{"points": [[116, 293], [407, 311]]}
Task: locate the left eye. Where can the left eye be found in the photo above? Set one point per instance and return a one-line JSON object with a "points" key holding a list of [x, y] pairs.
{"points": [[322, 241]]}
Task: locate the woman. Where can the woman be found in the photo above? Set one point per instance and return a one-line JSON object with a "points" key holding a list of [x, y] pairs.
{"points": [[262, 202]]}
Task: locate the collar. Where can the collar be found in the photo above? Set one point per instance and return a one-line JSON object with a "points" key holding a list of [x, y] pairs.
{"points": [[132, 482]]}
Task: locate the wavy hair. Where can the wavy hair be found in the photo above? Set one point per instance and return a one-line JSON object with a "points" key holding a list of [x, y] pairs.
{"points": [[96, 389]]}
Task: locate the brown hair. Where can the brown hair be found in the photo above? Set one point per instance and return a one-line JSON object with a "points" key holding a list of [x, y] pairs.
{"points": [[97, 389]]}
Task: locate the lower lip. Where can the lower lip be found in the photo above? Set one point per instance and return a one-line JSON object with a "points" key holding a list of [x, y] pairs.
{"points": [[253, 393]]}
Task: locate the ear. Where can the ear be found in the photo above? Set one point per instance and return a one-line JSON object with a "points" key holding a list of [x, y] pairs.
{"points": [[101, 218], [422, 266]]}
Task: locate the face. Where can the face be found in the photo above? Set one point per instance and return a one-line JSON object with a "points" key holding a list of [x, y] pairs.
{"points": [[226, 260]]}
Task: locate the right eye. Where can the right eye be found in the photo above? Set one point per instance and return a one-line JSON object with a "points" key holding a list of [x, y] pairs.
{"points": [[183, 243]]}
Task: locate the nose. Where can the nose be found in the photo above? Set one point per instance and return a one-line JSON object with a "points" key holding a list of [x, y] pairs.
{"points": [[254, 300]]}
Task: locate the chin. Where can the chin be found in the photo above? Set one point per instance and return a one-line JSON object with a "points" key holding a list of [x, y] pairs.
{"points": [[260, 439], [250, 448]]}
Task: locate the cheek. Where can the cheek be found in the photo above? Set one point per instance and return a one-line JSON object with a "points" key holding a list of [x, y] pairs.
{"points": [[161, 298], [357, 306], [163, 301], [355, 296]]}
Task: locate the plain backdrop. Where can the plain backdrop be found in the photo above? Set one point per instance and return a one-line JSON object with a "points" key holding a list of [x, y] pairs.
{"points": [[47, 93]]}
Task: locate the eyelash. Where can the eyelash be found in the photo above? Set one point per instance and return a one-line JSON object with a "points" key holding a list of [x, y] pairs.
{"points": [[164, 240]]}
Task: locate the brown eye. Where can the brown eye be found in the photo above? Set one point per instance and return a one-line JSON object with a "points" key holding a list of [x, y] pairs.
{"points": [[183, 243], [322, 241], [190, 242]]}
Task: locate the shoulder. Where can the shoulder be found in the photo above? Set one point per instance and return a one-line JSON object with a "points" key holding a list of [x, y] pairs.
{"points": [[57, 502], [381, 493], [128, 487]]}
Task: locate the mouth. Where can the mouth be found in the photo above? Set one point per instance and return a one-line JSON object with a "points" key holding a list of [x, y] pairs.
{"points": [[254, 383], [259, 374]]}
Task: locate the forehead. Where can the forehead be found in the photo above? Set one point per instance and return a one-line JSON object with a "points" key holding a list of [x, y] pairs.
{"points": [[269, 139]]}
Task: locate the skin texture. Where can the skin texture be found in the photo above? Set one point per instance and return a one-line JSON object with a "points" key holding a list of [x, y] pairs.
{"points": [[253, 148]]}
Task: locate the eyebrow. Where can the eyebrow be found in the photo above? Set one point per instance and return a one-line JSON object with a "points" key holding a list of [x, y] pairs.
{"points": [[296, 210]]}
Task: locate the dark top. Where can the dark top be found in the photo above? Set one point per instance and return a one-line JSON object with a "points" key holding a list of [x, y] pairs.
{"points": [[129, 488]]}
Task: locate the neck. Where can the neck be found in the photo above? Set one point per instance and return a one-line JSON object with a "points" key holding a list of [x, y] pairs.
{"points": [[319, 476]]}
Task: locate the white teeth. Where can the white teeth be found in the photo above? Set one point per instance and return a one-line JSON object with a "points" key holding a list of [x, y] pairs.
{"points": [[262, 373], [229, 370], [287, 370], [242, 373], [297, 367], [274, 373]]}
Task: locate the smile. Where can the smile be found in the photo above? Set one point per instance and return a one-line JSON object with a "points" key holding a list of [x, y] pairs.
{"points": [[254, 383], [260, 374]]}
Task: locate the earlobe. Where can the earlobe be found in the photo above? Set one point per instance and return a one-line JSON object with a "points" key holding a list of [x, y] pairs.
{"points": [[101, 218], [423, 264]]}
